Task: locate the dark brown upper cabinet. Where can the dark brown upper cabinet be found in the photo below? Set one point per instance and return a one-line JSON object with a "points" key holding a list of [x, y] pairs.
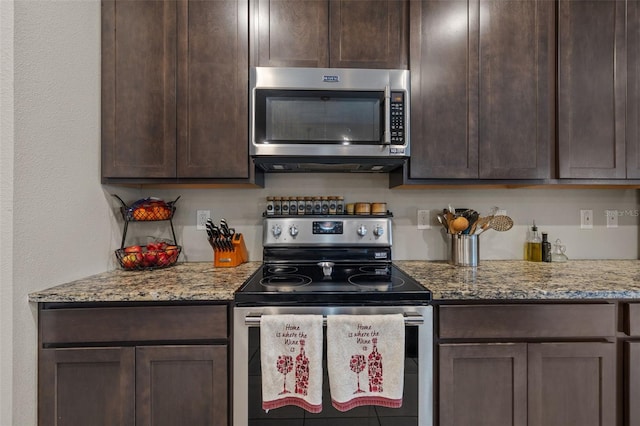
{"points": [[633, 90], [592, 89], [174, 90], [331, 33], [482, 89]]}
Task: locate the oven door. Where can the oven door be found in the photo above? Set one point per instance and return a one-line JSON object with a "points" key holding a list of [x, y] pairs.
{"points": [[417, 408]]}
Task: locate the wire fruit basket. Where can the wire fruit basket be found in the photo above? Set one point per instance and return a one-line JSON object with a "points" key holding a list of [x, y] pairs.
{"points": [[156, 254], [152, 256]]}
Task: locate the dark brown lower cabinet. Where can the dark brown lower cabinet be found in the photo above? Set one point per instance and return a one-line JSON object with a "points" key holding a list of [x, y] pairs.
{"points": [[572, 384], [162, 385], [528, 364], [181, 385], [483, 384], [528, 384], [86, 386], [134, 365], [632, 357]]}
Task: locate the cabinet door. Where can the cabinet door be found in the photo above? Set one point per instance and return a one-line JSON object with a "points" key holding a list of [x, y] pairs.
{"points": [[88, 386], [572, 384], [138, 89], [633, 90], [482, 87], [213, 71], [184, 385], [292, 33], [483, 384], [517, 89], [444, 89], [591, 89], [632, 365], [368, 34]]}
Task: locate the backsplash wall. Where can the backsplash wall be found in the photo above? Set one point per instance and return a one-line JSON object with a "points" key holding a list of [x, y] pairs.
{"points": [[556, 211]]}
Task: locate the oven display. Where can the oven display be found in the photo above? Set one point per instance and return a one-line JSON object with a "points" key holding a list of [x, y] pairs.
{"points": [[328, 227]]}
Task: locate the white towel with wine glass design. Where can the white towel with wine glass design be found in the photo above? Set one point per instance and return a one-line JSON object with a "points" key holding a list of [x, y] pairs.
{"points": [[291, 361], [365, 360]]}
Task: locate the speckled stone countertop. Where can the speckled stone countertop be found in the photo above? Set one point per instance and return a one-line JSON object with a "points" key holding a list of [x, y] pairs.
{"points": [[491, 280], [181, 282], [521, 280]]}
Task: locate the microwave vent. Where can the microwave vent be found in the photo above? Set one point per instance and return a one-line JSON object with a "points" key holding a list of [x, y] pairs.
{"points": [[328, 165]]}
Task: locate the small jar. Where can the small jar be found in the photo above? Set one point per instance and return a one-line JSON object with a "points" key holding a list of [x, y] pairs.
{"points": [[308, 205], [350, 208], [340, 205], [317, 205], [333, 205], [293, 205], [270, 211], [277, 206], [301, 205], [325, 205], [285, 206]]}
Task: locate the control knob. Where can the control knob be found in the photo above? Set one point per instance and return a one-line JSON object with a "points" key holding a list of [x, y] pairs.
{"points": [[378, 231], [276, 230], [362, 230], [293, 231]]}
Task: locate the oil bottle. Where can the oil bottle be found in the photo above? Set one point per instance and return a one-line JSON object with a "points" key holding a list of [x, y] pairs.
{"points": [[533, 250], [546, 248]]}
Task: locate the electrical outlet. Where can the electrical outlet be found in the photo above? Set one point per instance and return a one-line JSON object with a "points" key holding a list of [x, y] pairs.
{"points": [[201, 219], [424, 219], [612, 218], [586, 219]]}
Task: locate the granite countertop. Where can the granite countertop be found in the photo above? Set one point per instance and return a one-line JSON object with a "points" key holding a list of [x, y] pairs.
{"points": [[181, 282], [521, 280], [491, 280]]}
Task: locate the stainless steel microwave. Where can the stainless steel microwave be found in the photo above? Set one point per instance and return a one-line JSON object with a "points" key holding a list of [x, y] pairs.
{"points": [[329, 119]]}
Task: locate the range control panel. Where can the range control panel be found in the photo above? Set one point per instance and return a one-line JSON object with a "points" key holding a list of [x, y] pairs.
{"points": [[327, 231]]}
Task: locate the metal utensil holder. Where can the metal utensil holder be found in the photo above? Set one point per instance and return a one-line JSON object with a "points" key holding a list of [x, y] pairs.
{"points": [[465, 250]]}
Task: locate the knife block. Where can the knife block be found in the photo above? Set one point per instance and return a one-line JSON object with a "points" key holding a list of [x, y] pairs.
{"points": [[231, 258]]}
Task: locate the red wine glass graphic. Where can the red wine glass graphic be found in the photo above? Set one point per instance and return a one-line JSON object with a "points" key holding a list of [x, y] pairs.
{"points": [[357, 365], [284, 366]]}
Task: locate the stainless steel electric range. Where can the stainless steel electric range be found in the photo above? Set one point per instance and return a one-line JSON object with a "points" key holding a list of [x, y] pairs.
{"points": [[331, 265]]}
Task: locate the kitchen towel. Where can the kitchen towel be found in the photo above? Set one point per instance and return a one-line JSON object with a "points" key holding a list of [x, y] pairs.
{"points": [[291, 360], [365, 360]]}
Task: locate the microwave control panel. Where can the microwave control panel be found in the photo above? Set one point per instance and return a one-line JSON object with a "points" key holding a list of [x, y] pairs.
{"points": [[397, 117]]}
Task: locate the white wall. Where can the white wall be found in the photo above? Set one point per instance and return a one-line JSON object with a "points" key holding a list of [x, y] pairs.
{"points": [[6, 211], [57, 215], [59, 223]]}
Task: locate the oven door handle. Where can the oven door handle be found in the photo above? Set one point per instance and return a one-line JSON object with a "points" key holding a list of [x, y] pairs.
{"points": [[410, 318]]}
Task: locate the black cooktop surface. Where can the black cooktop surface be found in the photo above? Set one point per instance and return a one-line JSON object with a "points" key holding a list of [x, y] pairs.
{"points": [[313, 284]]}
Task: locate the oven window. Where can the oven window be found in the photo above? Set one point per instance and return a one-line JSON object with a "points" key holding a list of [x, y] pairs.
{"points": [[360, 416], [303, 116]]}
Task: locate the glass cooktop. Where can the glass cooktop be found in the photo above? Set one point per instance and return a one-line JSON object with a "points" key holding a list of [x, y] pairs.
{"points": [[329, 283]]}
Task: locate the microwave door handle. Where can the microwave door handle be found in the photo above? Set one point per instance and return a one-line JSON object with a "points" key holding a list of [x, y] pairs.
{"points": [[387, 116]]}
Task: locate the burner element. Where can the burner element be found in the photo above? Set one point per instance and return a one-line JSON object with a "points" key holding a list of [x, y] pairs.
{"points": [[282, 269], [376, 282], [282, 282]]}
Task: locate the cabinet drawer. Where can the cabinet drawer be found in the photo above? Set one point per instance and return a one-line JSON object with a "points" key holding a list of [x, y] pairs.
{"points": [[133, 324], [526, 321], [632, 319]]}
